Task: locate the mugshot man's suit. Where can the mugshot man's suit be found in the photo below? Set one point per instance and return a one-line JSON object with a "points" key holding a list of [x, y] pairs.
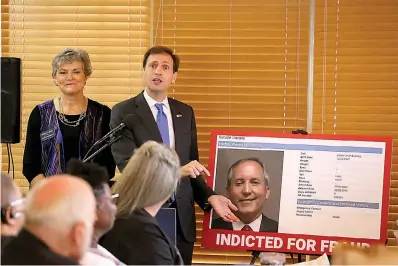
{"points": [[138, 117]]}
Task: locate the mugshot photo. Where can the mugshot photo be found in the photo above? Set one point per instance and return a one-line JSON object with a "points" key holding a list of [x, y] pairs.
{"points": [[251, 179]]}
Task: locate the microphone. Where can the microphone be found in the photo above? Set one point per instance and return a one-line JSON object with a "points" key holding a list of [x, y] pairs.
{"points": [[111, 134]]}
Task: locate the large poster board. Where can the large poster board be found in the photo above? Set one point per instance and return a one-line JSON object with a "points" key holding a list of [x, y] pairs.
{"points": [[299, 193]]}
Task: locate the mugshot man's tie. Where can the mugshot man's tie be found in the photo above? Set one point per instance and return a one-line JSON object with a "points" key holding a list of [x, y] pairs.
{"points": [[163, 125], [246, 228]]}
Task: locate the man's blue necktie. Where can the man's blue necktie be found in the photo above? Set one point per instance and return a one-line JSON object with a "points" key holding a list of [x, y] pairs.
{"points": [[163, 125]]}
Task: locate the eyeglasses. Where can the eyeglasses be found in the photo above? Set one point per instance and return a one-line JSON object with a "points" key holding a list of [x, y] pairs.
{"points": [[115, 196], [14, 204], [112, 198], [17, 202]]}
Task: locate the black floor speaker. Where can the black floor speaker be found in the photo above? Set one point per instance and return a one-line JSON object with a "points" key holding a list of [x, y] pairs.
{"points": [[10, 100]]}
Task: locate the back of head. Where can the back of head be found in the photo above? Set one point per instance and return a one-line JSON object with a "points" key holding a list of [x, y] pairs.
{"points": [[96, 176], [59, 202], [149, 178], [61, 212]]}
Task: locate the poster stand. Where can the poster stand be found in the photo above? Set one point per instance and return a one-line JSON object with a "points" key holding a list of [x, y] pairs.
{"points": [[255, 253], [302, 132]]}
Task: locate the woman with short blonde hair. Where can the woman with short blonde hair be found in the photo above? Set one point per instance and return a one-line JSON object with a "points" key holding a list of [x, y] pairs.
{"points": [[147, 182]]}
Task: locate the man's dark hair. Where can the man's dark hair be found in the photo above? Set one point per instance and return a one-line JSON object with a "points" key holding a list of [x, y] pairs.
{"points": [[97, 176], [162, 50]]}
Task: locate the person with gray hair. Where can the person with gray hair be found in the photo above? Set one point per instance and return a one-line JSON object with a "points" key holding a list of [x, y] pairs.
{"points": [[67, 126], [59, 218], [148, 180], [11, 209], [248, 189]]}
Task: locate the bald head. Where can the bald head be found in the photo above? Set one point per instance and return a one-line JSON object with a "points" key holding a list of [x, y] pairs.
{"points": [[61, 211], [60, 200], [9, 190]]}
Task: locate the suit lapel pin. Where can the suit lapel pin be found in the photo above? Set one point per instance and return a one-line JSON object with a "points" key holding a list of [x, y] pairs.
{"points": [[179, 115]]}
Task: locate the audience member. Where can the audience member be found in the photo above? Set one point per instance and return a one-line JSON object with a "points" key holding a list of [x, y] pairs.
{"points": [[59, 218], [11, 209], [97, 177], [148, 180], [345, 254]]}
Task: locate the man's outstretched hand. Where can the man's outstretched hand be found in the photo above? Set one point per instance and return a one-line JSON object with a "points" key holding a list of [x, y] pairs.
{"points": [[223, 207], [194, 169]]}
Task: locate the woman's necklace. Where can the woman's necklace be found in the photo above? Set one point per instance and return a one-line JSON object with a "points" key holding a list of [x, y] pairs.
{"points": [[65, 121]]}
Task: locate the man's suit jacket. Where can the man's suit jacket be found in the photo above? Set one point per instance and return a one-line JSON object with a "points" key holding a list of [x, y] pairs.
{"points": [[137, 240], [137, 115], [27, 249], [267, 224]]}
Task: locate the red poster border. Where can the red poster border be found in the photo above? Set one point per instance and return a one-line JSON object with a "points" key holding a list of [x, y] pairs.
{"points": [[209, 235]]}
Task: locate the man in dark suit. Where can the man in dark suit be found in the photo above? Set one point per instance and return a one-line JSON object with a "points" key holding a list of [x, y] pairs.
{"points": [[151, 115], [11, 209], [52, 233], [247, 188]]}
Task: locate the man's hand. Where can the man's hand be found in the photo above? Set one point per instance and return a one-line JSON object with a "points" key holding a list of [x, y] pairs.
{"points": [[194, 169], [223, 207]]}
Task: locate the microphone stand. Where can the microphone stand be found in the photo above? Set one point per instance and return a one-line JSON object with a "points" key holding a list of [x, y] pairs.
{"points": [[107, 144]]}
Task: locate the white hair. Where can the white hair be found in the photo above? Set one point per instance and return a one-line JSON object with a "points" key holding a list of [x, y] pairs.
{"points": [[239, 162], [60, 215]]}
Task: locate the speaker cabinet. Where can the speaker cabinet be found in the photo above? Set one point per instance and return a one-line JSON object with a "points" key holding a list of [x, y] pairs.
{"points": [[10, 100]]}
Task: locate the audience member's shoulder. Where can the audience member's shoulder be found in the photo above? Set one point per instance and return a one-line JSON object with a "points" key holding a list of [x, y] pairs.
{"points": [[146, 222], [133, 224], [91, 258], [143, 216]]}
